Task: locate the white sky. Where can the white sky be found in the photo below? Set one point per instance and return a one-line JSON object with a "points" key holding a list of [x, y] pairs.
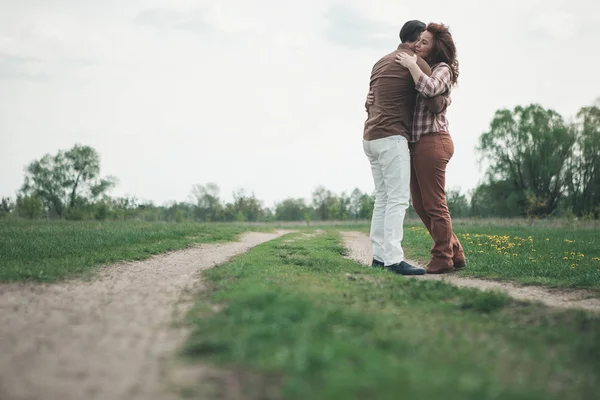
{"points": [[263, 95]]}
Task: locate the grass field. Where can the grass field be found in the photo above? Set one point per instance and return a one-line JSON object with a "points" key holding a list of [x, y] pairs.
{"points": [[296, 320], [551, 257], [47, 251]]}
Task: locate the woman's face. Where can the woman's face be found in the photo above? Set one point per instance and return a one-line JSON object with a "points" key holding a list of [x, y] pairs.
{"points": [[424, 45]]}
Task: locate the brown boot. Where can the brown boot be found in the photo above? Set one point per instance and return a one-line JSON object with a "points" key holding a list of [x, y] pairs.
{"points": [[439, 267], [459, 260]]}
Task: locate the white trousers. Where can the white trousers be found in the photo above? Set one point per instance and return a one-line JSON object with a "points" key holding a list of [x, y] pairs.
{"points": [[390, 165]]}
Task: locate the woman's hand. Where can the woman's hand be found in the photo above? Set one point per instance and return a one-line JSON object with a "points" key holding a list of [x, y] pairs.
{"points": [[370, 97], [405, 60]]}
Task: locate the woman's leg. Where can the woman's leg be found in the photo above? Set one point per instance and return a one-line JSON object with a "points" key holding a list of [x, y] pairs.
{"points": [[415, 191], [430, 160], [417, 203]]}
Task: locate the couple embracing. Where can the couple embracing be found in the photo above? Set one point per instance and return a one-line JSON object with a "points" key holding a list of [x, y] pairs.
{"points": [[406, 139]]}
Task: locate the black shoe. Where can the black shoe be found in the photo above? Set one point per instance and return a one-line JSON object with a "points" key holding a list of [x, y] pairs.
{"points": [[377, 263], [404, 268]]}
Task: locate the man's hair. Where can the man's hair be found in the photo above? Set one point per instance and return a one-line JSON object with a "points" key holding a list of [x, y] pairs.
{"points": [[411, 30]]}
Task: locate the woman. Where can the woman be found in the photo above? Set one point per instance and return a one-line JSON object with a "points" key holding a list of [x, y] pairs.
{"points": [[432, 146]]}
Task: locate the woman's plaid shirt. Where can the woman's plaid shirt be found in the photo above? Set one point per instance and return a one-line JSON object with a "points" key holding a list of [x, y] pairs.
{"points": [[424, 121]]}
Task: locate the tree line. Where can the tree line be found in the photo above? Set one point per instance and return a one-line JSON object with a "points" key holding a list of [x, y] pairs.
{"points": [[537, 164]]}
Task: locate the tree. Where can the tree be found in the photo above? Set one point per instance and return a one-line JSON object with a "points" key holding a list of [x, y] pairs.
{"points": [[248, 208], [354, 208], [528, 148], [323, 201], [340, 207], [457, 204], [269, 215], [67, 180], [496, 199], [230, 213], [6, 207], [291, 210], [29, 206], [177, 212], [208, 204], [367, 204], [584, 165]]}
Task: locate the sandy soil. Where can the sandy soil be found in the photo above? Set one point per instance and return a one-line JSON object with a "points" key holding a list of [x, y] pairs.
{"points": [[359, 247], [107, 338]]}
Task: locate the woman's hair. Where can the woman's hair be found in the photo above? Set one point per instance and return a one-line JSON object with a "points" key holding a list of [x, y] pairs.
{"points": [[443, 48]]}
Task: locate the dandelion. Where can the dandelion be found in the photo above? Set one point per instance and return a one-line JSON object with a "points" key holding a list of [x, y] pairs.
{"points": [[581, 255], [596, 258], [573, 266], [547, 239], [565, 258]]}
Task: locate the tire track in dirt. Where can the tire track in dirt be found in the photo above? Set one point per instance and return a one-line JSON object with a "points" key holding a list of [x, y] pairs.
{"points": [[107, 338], [360, 250]]}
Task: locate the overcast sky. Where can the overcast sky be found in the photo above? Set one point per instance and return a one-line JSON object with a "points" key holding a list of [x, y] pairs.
{"points": [[264, 95]]}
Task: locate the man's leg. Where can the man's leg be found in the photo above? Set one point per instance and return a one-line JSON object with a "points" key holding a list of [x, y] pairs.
{"points": [[394, 159], [377, 233]]}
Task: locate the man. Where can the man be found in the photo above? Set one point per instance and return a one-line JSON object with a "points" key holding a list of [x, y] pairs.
{"points": [[385, 142]]}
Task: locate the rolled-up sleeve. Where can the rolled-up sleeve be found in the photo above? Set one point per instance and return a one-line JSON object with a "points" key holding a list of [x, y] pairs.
{"points": [[438, 83]]}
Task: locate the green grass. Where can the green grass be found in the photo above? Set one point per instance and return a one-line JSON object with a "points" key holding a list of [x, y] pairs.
{"points": [[315, 325], [47, 251], [560, 257]]}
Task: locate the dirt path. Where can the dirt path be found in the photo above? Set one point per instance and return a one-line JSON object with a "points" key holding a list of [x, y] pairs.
{"points": [[103, 339], [359, 247]]}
